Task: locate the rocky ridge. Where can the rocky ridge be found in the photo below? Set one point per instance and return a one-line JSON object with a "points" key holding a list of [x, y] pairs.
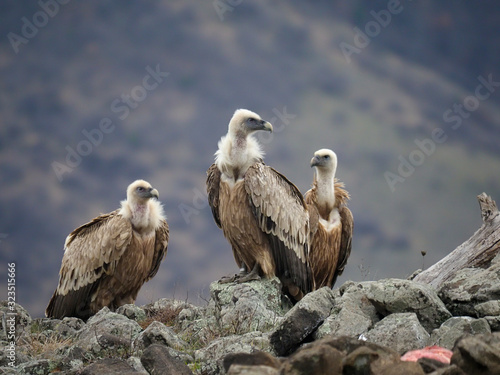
{"points": [[359, 328]]}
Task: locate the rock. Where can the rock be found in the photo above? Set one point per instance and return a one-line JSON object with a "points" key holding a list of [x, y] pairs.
{"points": [[136, 364], [212, 356], [14, 320], [252, 370], [451, 330], [257, 358], [302, 320], [159, 333], [429, 365], [157, 360], [132, 312], [246, 307], [488, 308], [471, 287], [494, 322], [402, 296], [369, 360], [38, 367], [401, 332], [109, 366], [479, 354], [352, 314], [66, 327], [107, 328], [8, 371], [314, 359], [449, 370]]}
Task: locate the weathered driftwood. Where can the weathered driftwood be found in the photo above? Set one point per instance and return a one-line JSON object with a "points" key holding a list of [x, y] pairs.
{"points": [[476, 252]]}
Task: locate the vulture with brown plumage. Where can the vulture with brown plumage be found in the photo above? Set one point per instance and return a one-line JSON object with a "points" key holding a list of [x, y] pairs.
{"points": [[107, 260], [261, 213], [331, 221]]}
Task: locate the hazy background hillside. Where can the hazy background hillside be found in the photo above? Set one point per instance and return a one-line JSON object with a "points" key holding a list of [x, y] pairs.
{"points": [[273, 58]]}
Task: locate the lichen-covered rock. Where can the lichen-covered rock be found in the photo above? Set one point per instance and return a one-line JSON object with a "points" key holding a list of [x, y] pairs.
{"points": [[401, 332], [314, 359], [469, 288], [402, 296], [109, 366], [107, 330], [257, 358], [479, 354], [454, 328], [157, 360], [252, 370], [14, 320], [159, 333], [132, 312], [352, 314], [212, 356], [67, 327], [488, 308], [302, 320], [246, 307]]}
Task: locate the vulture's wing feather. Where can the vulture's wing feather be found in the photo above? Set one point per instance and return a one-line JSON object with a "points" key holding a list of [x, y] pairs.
{"points": [[213, 183], [91, 252], [345, 240], [161, 243], [281, 213]]}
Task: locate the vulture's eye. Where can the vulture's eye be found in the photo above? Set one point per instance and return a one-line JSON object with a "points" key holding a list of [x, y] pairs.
{"points": [[140, 188], [327, 157]]}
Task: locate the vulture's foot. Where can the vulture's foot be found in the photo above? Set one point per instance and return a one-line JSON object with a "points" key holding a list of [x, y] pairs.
{"points": [[251, 276], [228, 279]]}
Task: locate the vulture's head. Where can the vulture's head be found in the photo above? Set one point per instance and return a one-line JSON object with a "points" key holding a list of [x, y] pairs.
{"points": [[245, 122], [140, 191], [325, 161]]}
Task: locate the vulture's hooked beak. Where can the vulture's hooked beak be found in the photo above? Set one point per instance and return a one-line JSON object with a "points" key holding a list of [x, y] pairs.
{"points": [[267, 126], [154, 194], [315, 161]]}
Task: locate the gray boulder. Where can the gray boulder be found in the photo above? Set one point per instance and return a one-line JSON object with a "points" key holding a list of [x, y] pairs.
{"points": [[400, 331], [107, 330], [109, 366], [211, 357], [157, 360], [252, 370], [352, 314], [488, 308], [454, 328], [14, 320], [132, 312], [402, 296], [479, 354], [251, 306], [159, 333], [305, 317], [472, 287]]}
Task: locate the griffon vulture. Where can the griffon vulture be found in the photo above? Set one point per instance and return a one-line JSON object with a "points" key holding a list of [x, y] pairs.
{"points": [[107, 260], [261, 213], [331, 221]]}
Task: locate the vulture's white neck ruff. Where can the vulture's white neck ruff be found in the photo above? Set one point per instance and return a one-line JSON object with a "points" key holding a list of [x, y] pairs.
{"points": [[145, 216], [236, 153]]}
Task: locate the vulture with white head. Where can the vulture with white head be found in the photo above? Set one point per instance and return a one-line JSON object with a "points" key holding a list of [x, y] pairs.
{"points": [[331, 221], [261, 213], [107, 260]]}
